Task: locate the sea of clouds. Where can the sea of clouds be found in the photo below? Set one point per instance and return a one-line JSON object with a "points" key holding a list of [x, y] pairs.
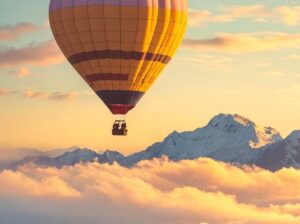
{"points": [[158, 191]]}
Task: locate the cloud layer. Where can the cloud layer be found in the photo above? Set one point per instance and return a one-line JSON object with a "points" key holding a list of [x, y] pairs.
{"points": [[159, 191], [12, 32], [5, 92], [229, 14], [50, 96], [288, 15], [245, 42], [43, 95], [45, 53]]}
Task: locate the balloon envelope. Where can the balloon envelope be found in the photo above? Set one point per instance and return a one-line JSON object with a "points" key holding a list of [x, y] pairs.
{"points": [[119, 47]]}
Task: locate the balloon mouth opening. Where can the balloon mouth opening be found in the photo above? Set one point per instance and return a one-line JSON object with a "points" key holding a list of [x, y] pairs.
{"points": [[121, 109]]}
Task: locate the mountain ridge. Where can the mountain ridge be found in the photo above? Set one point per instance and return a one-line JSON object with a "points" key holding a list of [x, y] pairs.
{"points": [[230, 138]]}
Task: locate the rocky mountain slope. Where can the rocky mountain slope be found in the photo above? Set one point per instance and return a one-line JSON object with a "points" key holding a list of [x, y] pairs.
{"points": [[227, 138], [285, 153]]}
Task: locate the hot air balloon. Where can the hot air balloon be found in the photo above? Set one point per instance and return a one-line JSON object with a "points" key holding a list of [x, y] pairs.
{"points": [[119, 47]]}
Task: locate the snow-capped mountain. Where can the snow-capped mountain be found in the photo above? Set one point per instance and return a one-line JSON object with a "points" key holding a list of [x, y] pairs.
{"points": [[285, 153], [67, 159], [58, 152], [9, 157], [71, 158], [227, 138], [111, 156]]}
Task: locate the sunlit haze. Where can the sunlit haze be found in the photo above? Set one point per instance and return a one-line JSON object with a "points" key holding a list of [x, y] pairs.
{"points": [[235, 59]]}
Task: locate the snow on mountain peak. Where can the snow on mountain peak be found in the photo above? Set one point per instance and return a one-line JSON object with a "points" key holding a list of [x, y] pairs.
{"points": [[229, 121], [227, 137], [111, 156], [242, 120], [236, 124], [265, 135]]}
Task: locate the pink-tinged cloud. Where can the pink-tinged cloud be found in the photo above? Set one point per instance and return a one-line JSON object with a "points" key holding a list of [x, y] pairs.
{"points": [[288, 15], [159, 191], [58, 96], [45, 53], [23, 72], [228, 14], [44, 95], [199, 17], [245, 42], [12, 32], [5, 92]]}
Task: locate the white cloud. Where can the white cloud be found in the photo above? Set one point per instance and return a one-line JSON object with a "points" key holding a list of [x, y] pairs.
{"points": [[207, 59], [46, 95], [287, 15], [159, 191], [60, 95], [23, 72], [11, 32], [245, 42], [4, 92], [45, 53], [228, 14]]}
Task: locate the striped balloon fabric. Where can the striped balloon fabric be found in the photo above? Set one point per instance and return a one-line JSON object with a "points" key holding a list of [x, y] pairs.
{"points": [[119, 47]]}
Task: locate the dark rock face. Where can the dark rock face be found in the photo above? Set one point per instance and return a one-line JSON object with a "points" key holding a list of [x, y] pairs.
{"points": [[285, 153]]}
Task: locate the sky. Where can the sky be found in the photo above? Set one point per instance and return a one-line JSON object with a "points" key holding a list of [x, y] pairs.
{"points": [[236, 58]]}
